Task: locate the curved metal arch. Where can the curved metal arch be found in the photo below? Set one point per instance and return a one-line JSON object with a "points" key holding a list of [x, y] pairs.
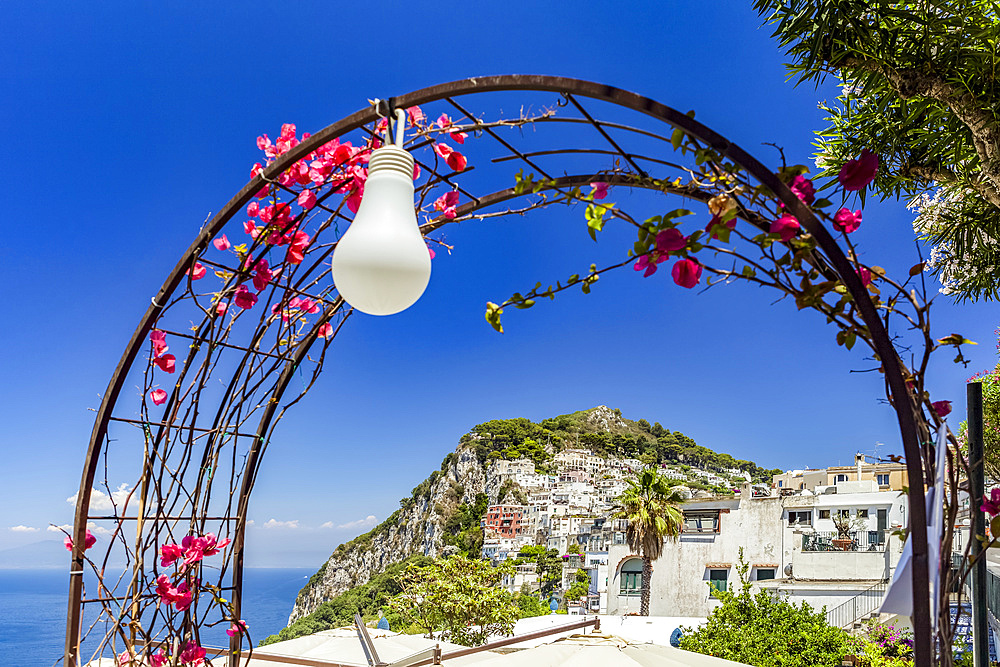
{"points": [[566, 87]]}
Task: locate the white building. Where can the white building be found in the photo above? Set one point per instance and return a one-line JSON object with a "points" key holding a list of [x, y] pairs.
{"points": [[785, 542]]}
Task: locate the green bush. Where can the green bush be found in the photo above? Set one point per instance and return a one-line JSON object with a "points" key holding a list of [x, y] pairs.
{"points": [[761, 630]]}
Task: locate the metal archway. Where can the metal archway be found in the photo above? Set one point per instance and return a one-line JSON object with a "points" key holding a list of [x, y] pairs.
{"points": [[203, 440]]}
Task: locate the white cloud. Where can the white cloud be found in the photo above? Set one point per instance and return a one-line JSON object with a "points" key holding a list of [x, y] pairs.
{"points": [[250, 522], [102, 501], [274, 523], [59, 529], [22, 529], [369, 520], [326, 524]]}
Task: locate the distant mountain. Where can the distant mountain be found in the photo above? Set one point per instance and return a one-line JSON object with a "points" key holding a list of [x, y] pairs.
{"points": [[445, 509], [41, 555]]}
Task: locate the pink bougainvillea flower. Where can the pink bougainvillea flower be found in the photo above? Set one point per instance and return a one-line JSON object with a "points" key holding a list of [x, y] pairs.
{"points": [[856, 174], [670, 240], [197, 272], [307, 305], [88, 541], [430, 251], [445, 122], [220, 308], [236, 628], [416, 115], [256, 169], [307, 199], [865, 275], [716, 220], [221, 243], [244, 298], [169, 553], [446, 203], [803, 189], [159, 341], [325, 330], [645, 264], [192, 655], [846, 221], [354, 201], [686, 272], [992, 505], [253, 209], [261, 275], [251, 229], [600, 189], [942, 408], [158, 396], [786, 227], [159, 659], [166, 363], [124, 658], [453, 158], [297, 248]]}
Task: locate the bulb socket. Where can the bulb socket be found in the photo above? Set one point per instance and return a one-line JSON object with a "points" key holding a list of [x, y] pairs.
{"points": [[390, 158]]}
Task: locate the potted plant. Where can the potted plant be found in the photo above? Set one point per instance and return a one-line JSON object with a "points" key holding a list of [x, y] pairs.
{"points": [[844, 523]]}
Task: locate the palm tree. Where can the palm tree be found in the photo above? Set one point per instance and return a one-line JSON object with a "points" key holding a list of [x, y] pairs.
{"points": [[651, 508]]}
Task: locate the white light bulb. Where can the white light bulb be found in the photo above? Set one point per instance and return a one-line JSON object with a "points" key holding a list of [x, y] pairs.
{"points": [[381, 265]]}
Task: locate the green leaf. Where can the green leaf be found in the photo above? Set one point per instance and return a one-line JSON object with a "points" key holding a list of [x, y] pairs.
{"points": [[677, 138]]}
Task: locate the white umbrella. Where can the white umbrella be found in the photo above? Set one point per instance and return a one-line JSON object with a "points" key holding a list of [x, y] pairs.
{"points": [[602, 651]]}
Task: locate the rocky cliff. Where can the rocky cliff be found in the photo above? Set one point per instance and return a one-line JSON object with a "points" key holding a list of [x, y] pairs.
{"points": [[416, 528]]}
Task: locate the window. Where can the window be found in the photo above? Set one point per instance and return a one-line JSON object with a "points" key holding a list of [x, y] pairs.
{"points": [[840, 478], [844, 513], [883, 480], [862, 514], [701, 521], [718, 579], [632, 577], [824, 514], [780, 483], [802, 518], [765, 574]]}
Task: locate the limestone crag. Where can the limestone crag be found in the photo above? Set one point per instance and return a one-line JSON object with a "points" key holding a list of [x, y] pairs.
{"points": [[416, 528]]}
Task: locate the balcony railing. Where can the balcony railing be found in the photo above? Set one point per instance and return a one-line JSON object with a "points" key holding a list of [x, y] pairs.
{"points": [[859, 540]]}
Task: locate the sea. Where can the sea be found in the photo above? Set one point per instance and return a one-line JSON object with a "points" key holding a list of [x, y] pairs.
{"points": [[33, 610]]}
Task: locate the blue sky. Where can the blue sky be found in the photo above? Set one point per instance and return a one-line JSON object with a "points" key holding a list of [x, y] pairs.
{"points": [[128, 124]]}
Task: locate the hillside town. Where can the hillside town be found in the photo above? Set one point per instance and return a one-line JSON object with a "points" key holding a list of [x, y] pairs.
{"points": [[823, 536]]}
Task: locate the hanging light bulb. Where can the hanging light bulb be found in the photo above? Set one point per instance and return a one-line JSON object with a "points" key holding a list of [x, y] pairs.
{"points": [[381, 265]]}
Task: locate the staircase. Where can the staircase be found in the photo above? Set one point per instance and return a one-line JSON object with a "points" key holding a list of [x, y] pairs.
{"points": [[862, 607]]}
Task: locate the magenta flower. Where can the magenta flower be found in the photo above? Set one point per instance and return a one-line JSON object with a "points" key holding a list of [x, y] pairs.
{"points": [[253, 208], [646, 263], [686, 273], [88, 541], [716, 220], [845, 221], [942, 408], [166, 363], [297, 248], [244, 298], [236, 628], [159, 659], [445, 122], [453, 158], [600, 189], [992, 506], [670, 240], [192, 655], [865, 275], [159, 396], [858, 173], [262, 275], [325, 330], [430, 251], [169, 553], [786, 227], [221, 243], [446, 203], [159, 341], [803, 189], [220, 308], [307, 199], [197, 272]]}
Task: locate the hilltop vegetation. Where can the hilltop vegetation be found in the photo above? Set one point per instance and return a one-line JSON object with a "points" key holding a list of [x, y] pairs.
{"points": [[605, 433]]}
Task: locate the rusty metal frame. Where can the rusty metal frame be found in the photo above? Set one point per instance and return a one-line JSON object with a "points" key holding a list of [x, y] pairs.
{"points": [[572, 91]]}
